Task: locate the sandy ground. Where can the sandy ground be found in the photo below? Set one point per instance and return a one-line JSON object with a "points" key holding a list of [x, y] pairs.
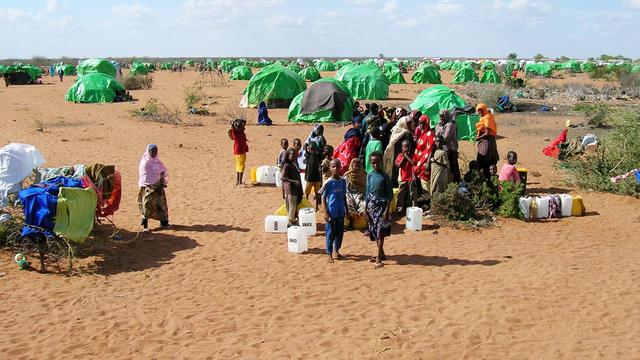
{"points": [[215, 286]]}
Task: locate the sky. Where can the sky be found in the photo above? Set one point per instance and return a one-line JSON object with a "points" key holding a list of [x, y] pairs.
{"points": [[318, 28]]}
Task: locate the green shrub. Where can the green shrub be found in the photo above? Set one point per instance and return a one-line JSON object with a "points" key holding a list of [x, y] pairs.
{"points": [[453, 206], [509, 195], [596, 113], [192, 96]]}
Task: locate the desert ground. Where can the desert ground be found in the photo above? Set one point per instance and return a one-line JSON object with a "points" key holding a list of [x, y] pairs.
{"points": [[215, 286]]}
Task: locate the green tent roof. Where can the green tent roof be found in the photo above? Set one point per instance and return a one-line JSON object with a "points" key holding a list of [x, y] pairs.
{"points": [[464, 75], [92, 66], [635, 68], [3, 68], [273, 82], [294, 66], [310, 73], [491, 77], [227, 65], [93, 88], [509, 67], [394, 75], [324, 65], [539, 69], [427, 74], [440, 97], [587, 67], [573, 66], [139, 69], [365, 81], [326, 100], [488, 65], [67, 69], [34, 72], [241, 73]]}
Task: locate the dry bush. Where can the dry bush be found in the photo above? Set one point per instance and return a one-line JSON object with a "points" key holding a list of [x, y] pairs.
{"points": [[154, 111], [486, 93], [137, 82]]}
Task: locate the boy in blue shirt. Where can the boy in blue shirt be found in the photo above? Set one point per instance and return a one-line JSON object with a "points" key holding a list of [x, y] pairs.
{"points": [[334, 202]]}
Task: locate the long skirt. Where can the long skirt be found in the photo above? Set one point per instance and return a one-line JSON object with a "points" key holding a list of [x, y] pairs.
{"points": [[487, 154], [152, 202], [378, 225]]}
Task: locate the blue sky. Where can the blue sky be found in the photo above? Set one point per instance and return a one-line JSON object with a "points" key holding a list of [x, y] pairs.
{"points": [[341, 28]]}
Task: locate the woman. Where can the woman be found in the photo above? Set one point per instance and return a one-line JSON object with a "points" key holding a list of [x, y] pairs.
{"points": [[153, 179], [356, 183], [350, 147], [424, 149], [400, 132], [316, 137], [291, 186], [263, 114], [486, 138], [447, 128], [439, 169]]}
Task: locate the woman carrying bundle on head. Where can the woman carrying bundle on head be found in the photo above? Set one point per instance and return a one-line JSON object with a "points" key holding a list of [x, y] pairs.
{"points": [[153, 179]]}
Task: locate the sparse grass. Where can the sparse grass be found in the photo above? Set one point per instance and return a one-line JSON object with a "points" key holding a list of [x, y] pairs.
{"points": [[192, 96], [154, 111], [38, 125], [137, 82], [596, 113], [486, 93]]}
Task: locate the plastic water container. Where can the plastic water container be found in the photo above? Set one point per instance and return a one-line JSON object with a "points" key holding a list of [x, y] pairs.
{"points": [[297, 240], [303, 182], [253, 175], [275, 224], [278, 178], [566, 204], [307, 220], [543, 206], [262, 174], [272, 175], [525, 206], [414, 218]]}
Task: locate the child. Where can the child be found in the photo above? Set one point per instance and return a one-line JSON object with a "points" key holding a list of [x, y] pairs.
{"points": [[439, 169], [407, 192], [300, 159], [509, 172], [373, 145], [334, 201], [284, 145], [313, 174], [291, 186], [240, 147], [378, 195], [326, 163]]}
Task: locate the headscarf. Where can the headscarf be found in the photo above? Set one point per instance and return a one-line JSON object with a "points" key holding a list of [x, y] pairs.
{"points": [[487, 121], [424, 119], [151, 169], [356, 179], [315, 139], [398, 132]]}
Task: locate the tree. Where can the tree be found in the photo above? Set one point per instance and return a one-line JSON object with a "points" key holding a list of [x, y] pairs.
{"points": [[538, 57], [563, 58], [512, 56]]}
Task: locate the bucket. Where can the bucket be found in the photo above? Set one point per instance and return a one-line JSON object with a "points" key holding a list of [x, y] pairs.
{"points": [[543, 206], [566, 204], [525, 206], [307, 220], [296, 240], [393, 206], [275, 224], [414, 218]]}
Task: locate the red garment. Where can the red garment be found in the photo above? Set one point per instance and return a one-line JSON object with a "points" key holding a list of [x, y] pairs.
{"points": [[406, 169], [239, 142], [553, 150], [424, 147], [347, 151]]}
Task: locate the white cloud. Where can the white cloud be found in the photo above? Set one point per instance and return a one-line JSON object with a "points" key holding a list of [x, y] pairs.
{"points": [[390, 7], [134, 12], [520, 5], [446, 8], [52, 5], [361, 2], [631, 4], [332, 13], [14, 15]]}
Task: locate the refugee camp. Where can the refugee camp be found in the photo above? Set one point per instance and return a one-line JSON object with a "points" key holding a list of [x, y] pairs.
{"points": [[346, 179]]}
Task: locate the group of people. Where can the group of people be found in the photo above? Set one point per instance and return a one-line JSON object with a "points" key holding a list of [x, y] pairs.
{"points": [[382, 150]]}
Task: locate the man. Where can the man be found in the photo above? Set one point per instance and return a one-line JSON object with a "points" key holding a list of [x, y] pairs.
{"points": [[448, 130]]}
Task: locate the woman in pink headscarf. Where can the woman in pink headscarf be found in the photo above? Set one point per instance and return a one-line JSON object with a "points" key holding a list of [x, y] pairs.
{"points": [[153, 179]]}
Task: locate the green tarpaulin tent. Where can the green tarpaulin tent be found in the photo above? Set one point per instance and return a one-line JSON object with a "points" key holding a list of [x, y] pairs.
{"points": [[274, 84], [324, 65], [635, 68], [92, 66], [3, 68], [427, 74], [572, 66], [227, 65], [94, 88], [538, 69], [138, 68], [364, 81], [440, 97], [294, 66], [326, 100], [75, 213], [394, 75], [488, 65], [464, 75], [509, 66], [241, 73], [491, 77], [310, 73], [67, 69], [587, 67], [31, 71]]}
